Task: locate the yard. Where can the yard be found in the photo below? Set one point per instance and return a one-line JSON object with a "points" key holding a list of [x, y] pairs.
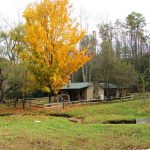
{"points": [[41, 129]]}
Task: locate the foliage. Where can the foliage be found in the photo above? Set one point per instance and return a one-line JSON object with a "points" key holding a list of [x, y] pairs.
{"points": [[15, 79], [135, 21], [53, 39], [12, 43], [125, 74], [29, 83], [77, 76], [8, 79], [103, 63], [107, 69], [144, 80], [15, 76]]}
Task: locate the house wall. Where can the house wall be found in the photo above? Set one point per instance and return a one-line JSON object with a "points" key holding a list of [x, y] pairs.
{"points": [[98, 92], [90, 93], [101, 93]]}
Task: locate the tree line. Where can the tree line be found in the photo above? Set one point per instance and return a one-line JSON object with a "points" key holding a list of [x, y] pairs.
{"points": [[122, 54]]}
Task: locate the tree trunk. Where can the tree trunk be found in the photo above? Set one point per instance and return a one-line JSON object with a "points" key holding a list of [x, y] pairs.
{"points": [[24, 101], [90, 79], [1, 98], [83, 74], [49, 97]]}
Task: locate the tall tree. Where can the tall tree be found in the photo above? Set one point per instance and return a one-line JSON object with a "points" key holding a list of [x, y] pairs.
{"points": [[89, 41], [53, 38], [104, 61], [135, 22]]}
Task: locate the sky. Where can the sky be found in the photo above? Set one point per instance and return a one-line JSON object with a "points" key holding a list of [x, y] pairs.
{"points": [[93, 11]]}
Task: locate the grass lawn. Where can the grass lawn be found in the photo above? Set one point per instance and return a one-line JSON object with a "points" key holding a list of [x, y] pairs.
{"points": [[99, 113], [35, 130]]}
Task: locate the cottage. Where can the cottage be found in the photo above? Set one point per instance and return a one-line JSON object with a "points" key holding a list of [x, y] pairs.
{"points": [[111, 91], [79, 91]]}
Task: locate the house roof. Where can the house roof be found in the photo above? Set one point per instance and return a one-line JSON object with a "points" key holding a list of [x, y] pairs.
{"points": [[111, 86], [80, 85]]}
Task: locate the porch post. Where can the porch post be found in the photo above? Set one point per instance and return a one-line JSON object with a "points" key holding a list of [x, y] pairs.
{"points": [[79, 94]]}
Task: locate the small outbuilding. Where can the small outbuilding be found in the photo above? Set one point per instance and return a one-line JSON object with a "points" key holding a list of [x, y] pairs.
{"points": [[111, 91], [79, 91]]}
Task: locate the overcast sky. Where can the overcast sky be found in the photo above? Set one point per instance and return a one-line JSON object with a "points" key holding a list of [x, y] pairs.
{"points": [[95, 10]]}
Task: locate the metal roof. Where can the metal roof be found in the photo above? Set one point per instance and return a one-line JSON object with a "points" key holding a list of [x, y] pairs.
{"points": [[111, 86], [80, 85]]}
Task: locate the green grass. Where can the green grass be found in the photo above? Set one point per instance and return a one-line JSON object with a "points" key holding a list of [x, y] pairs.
{"points": [[57, 133], [19, 132], [99, 113]]}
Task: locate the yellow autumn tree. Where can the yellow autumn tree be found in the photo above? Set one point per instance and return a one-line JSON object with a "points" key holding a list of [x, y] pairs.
{"points": [[53, 37]]}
